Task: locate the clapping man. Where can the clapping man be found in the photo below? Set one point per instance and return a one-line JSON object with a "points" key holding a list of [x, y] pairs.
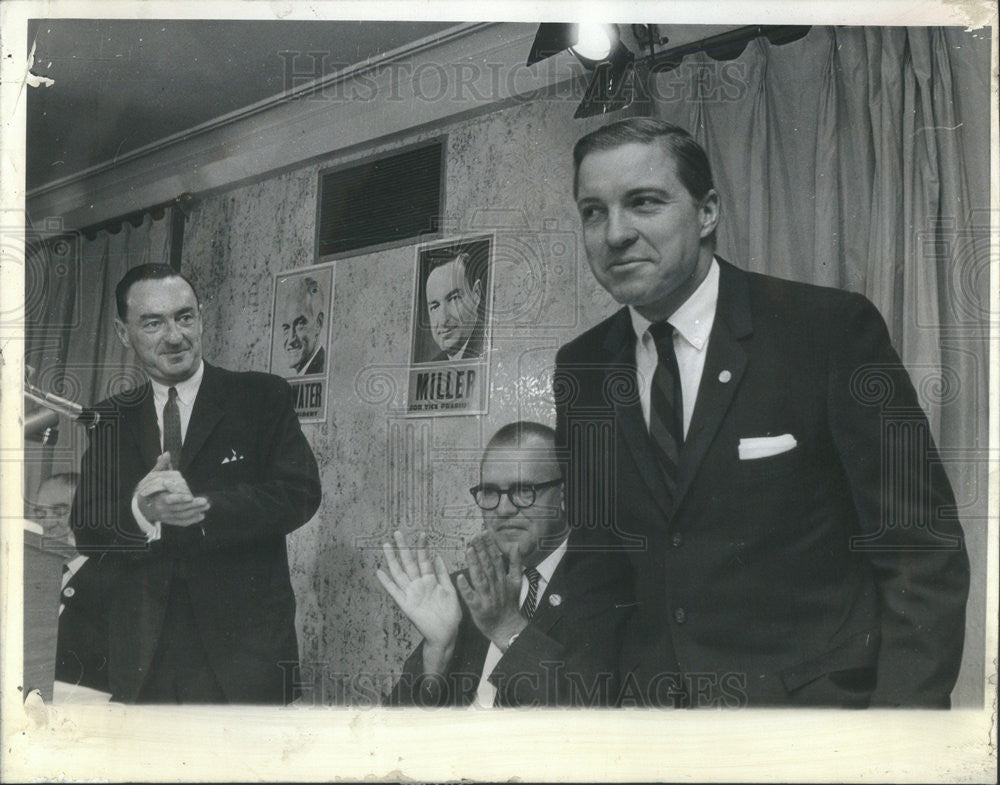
{"points": [[189, 486], [507, 631]]}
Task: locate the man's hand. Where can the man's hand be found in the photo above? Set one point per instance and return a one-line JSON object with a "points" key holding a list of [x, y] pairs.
{"points": [[424, 592], [164, 496], [493, 594]]}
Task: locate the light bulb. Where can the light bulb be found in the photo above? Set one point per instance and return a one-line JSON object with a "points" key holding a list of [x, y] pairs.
{"points": [[593, 43]]}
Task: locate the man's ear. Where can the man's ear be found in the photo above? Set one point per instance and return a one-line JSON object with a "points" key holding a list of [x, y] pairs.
{"points": [[477, 290], [319, 320], [708, 213], [122, 333]]}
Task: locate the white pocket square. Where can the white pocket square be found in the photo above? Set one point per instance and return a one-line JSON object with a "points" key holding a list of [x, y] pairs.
{"points": [[232, 458], [765, 446]]}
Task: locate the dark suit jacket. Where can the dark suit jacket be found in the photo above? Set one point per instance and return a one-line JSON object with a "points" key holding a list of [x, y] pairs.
{"points": [[473, 349], [82, 644], [245, 452], [834, 573], [317, 364], [566, 656]]}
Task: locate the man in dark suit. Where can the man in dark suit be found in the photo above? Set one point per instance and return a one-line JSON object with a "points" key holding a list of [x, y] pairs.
{"points": [[188, 487], [755, 450], [454, 303], [302, 318], [82, 642], [528, 630]]}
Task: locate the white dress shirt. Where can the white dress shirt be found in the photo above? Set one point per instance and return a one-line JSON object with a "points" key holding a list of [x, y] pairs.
{"points": [[486, 693], [692, 323], [187, 391]]}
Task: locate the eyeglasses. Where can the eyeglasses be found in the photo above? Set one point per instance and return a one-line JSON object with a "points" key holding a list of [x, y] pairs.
{"points": [[522, 495], [48, 511]]}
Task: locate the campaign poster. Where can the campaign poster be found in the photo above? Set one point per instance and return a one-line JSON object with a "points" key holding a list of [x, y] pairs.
{"points": [[452, 313], [300, 332]]}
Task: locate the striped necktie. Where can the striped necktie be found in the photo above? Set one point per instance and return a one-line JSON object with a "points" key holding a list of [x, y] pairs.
{"points": [[531, 601], [666, 410]]}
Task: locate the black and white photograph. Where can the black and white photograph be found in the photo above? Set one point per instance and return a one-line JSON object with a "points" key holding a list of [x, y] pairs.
{"points": [[303, 302], [451, 320], [386, 387]]}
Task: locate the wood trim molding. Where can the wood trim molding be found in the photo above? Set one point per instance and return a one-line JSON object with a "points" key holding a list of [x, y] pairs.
{"points": [[471, 68]]}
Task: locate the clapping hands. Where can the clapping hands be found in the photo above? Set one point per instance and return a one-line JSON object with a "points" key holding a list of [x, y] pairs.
{"points": [[423, 590], [164, 496], [493, 591]]}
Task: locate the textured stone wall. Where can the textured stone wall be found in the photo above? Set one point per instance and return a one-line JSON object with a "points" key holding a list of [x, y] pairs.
{"points": [[507, 172]]}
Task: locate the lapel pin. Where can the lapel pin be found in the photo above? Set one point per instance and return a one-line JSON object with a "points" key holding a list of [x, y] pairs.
{"points": [[69, 591], [555, 600], [725, 376]]}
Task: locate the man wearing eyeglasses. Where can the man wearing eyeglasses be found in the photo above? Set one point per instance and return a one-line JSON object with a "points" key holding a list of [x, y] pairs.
{"points": [[507, 631], [82, 642]]}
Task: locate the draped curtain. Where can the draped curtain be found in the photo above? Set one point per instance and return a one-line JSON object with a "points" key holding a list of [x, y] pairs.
{"points": [[859, 158], [70, 337]]}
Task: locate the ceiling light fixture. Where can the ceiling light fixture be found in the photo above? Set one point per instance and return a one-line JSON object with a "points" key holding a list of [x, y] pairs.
{"points": [[615, 84], [600, 49]]}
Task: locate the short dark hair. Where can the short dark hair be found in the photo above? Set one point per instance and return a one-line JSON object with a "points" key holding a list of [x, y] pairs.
{"points": [[470, 269], [515, 434], [691, 160], [146, 272]]}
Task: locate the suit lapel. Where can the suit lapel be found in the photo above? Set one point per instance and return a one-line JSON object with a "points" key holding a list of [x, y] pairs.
{"points": [[139, 419], [208, 409], [724, 366], [628, 409], [547, 609]]}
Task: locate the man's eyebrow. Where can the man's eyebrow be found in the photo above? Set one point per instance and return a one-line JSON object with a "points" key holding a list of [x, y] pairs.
{"points": [[446, 295], [642, 189], [158, 315]]}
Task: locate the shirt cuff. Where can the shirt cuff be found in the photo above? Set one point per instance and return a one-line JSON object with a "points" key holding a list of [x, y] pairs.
{"points": [[151, 530]]}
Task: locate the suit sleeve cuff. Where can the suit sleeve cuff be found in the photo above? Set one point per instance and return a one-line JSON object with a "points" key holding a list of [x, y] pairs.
{"points": [[153, 531]]}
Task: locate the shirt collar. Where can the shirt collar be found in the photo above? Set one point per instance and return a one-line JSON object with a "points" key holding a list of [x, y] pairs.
{"points": [[73, 565], [548, 565], [460, 354], [187, 390], [311, 357], [693, 319]]}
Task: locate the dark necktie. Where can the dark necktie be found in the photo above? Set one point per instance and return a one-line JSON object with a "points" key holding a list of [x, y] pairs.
{"points": [[531, 601], [666, 410], [172, 428]]}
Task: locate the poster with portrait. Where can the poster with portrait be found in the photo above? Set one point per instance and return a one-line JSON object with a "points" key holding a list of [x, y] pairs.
{"points": [[300, 331], [452, 311]]}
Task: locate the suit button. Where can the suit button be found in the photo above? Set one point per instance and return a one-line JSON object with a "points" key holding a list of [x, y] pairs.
{"points": [[676, 540], [69, 591], [679, 616]]}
